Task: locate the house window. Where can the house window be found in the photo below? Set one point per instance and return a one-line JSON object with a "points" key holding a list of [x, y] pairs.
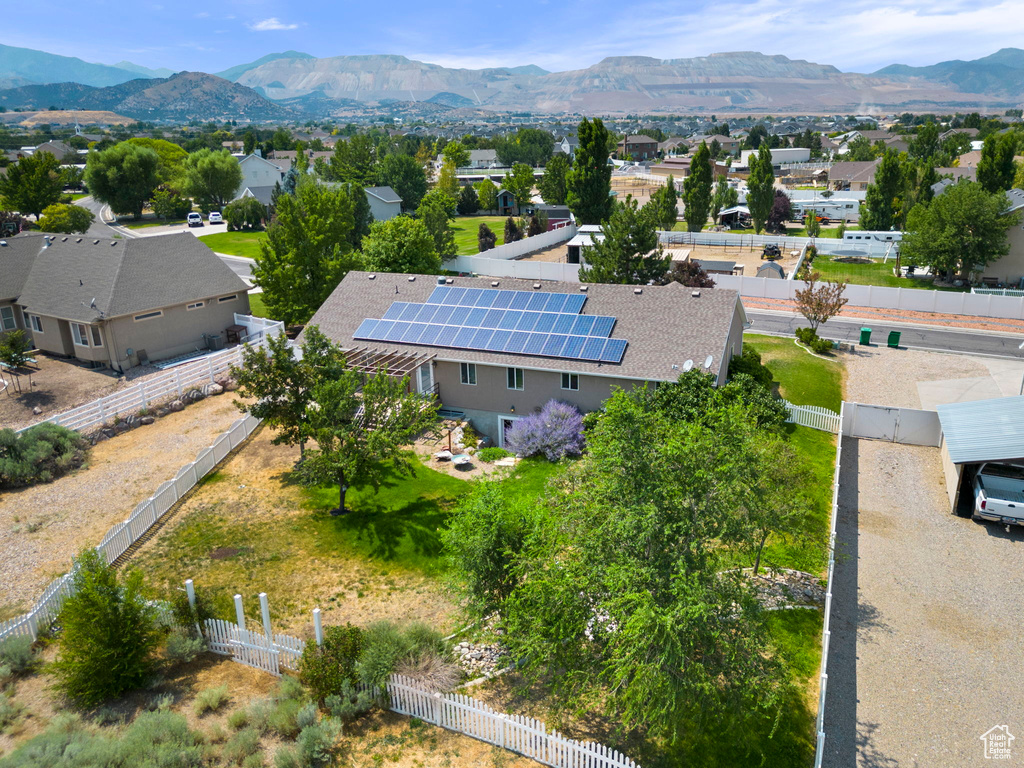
{"points": [[7, 319], [149, 315], [571, 381], [468, 371], [515, 378], [197, 305], [80, 334], [232, 297], [97, 337], [33, 322]]}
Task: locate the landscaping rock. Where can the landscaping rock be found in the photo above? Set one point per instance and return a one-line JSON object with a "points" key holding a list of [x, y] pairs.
{"points": [[121, 427], [229, 384], [193, 396], [108, 432], [176, 405], [37, 410], [99, 437], [212, 389], [131, 420], [147, 420]]}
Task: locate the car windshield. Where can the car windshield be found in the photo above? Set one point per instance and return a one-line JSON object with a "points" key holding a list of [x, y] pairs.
{"points": [[1004, 470]]}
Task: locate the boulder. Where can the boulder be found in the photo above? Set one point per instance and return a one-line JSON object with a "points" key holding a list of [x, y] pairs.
{"points": [[37, 410], [176, 405], [212, 389], [121, 427], [147, 420]]}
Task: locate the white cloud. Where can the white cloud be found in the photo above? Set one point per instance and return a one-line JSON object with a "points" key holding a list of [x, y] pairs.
{"points": [[272, 24]]}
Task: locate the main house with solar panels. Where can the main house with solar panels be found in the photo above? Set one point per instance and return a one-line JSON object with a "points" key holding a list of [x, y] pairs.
{"points": [[495, 350]]}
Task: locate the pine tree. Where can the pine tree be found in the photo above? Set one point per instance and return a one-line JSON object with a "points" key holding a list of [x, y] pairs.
{"points": [[588, 182], [761, 187], [629, 254]]}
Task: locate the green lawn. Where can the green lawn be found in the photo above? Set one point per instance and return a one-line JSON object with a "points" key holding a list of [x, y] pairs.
{"points": [[235, 243], [78, 196], [256, 306], [466, 228], [875, 273], [144, 223], [802, 378]]}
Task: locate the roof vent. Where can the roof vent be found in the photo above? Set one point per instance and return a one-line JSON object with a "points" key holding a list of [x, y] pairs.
{"points": [[3, 243], [707, 362], [448, 281], [583, 288], [371, 277], [440, 279], [536, 286], [78, 240], [695, 294], [95, 242], [638, 291], [113, 243], [412, 278], [494, 283], [64, 239]]}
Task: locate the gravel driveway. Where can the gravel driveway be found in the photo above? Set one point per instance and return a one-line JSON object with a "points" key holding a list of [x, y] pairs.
{"points": [[927, 615], [44, 526]]}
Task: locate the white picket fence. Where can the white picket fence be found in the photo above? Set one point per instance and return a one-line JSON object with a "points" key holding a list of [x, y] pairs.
{"points": [[263, 649], [165, 386], [123, 535], [814, 416]]}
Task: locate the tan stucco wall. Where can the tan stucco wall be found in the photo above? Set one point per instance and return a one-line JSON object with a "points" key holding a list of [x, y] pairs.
{"points": [[50, 340], [1010, 268]]}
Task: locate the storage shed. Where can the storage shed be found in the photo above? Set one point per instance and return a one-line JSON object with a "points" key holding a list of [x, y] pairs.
{"points": [[974, 433]]}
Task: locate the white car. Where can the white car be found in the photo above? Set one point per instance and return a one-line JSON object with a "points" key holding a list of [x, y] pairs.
{"points": [[215, 217], [999, 494], [194, 219]]}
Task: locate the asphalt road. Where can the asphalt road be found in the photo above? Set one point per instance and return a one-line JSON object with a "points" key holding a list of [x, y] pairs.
{"points": [[911, 335]]}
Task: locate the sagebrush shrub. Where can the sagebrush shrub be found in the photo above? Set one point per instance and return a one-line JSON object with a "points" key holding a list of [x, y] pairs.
{"points": [[110, 634], [183, 648], [284, 718], [240, 746], [555, 432], [16, 653], [238, 719], [39, 454], [318, 744], [386, 645], [10, 710], [211, 699], [307, 716]]}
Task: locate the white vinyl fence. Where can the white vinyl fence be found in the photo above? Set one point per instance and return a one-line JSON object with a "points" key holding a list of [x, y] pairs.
{"points": [[263, 649], [912, 299], [524, 270], [756, 242], [519, 248], [124, 535], [909, 426], [168, 385], [814, 416]]}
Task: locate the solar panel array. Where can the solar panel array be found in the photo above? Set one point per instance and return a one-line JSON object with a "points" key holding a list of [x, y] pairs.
{"points": [[516, 322]]}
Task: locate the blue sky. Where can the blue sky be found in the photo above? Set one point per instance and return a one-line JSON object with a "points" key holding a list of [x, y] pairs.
{"points": [[854, 35]]}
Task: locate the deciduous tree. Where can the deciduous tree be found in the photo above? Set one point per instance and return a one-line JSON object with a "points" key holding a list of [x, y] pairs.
{"points": [[588, 182], [32, 184], [307, 251], [211, 178], [172, 158], [456, 154], [552, 183], [761, 187], [697, 190], [468, 203], [436, 211], [820, 301], [996, 168], [404, 175], [67, 219], [662, 208], [520, 183], [724, 197], [883, 201], [532, 146], [629, 252], [401, 244], [487, 191], [123, 176], [781, 212], [688, 273]]}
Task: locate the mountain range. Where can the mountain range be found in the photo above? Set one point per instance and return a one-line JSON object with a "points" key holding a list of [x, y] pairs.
{"points": [[291, 84]]}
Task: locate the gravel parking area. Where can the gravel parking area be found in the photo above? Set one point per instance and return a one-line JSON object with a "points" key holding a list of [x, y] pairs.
{"points": [[927, 610], [44, 526]]}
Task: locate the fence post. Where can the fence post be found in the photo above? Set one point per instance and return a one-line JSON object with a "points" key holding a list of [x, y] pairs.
{"points": [[318, 627], [437, 709], [265, 610], [142, 394], [239, 612], [503, 719], [209, 364], [177, 380], [190, 590]]}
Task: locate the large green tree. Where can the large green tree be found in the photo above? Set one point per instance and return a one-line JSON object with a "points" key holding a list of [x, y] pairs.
{"points": [[32, 184], [996, 168], [589, 182], [436, 211], [362, 425], [67, 219], [629, 252], [353, 160], [520, 183], [307, 251], [552, 183], [401, 244], [123, 176], [724, 197], [532, 146], [172, 157], [963, 228], [487, 192], [924, 145], [883, 202], [404, 175], [276, 385], [761, 187], [662, 208], [456, 154], [697, 188], [211, 178]]}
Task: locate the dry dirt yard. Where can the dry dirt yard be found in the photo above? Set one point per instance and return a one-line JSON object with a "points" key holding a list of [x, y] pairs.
{"points": [[56, 386], [44, 526]]}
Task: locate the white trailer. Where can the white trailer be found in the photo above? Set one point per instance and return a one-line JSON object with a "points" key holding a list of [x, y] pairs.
{"points": [[832, 209]]}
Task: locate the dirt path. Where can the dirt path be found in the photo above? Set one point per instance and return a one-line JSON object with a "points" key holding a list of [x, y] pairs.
{"points": [[43, 527]]}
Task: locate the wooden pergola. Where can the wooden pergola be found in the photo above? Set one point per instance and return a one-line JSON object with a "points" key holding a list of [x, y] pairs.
{"points": [[398, 364]]}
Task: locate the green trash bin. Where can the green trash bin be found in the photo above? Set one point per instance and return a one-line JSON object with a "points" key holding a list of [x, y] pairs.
{"points": [[894, 339], [865, 337]]}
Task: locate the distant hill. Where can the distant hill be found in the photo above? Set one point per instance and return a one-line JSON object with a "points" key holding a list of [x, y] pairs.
{"points": [[41, 67], [1001, 74], [144, 71], [184, 96], [233, 73]]}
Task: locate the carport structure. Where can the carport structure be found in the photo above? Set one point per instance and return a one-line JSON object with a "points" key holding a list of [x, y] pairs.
{"points": [[974, 433]]}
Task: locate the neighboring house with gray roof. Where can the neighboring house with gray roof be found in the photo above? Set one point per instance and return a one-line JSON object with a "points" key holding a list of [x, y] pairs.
{"points": [[1008, 270], [259, 172], [108, 302], [661, 327], [384, 203]]}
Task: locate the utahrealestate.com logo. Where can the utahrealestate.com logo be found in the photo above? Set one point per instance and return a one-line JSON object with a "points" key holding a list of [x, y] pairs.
{"points": [[997, 741]]}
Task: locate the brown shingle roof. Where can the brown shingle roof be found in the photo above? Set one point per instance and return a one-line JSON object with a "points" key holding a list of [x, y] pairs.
{"points": [[664, 325]]}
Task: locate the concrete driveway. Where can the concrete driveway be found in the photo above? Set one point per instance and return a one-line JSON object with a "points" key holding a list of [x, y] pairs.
{"points": [[928, 609]]}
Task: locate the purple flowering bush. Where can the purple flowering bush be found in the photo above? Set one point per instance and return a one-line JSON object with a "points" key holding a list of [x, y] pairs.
{"points": [[556, 431]]}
